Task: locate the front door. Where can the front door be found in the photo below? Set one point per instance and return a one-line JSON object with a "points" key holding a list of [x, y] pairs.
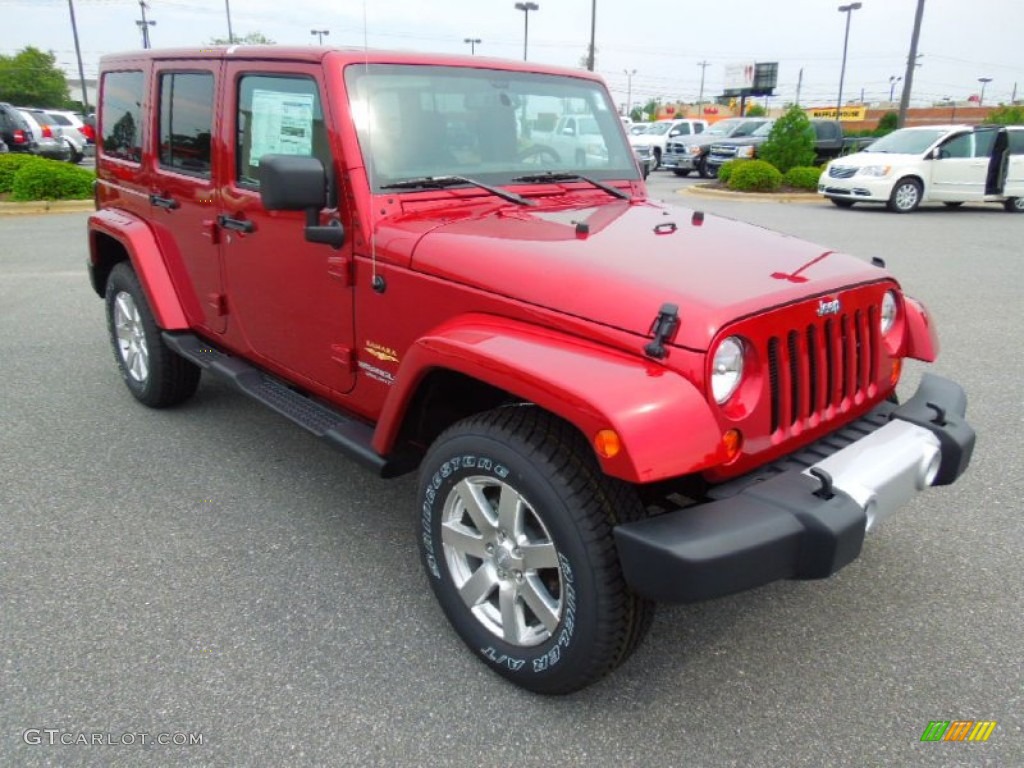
{"points": [[289, 301], [958, 175]]}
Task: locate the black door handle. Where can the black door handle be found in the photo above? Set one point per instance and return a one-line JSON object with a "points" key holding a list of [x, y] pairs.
{"points": [[164, 202], [238, 225]]}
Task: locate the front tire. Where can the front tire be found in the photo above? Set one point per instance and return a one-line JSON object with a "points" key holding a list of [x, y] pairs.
{"points": [[516, 537], [704, 169], [153, 373], [1014, 204], [906, 196], [656, 161]]}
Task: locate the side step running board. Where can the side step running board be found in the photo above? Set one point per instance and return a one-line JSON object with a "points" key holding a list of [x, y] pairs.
{"points": [[345, 433]]}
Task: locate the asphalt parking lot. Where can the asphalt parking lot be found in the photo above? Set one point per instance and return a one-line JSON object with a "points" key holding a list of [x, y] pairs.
{"points": [[214, 570]]}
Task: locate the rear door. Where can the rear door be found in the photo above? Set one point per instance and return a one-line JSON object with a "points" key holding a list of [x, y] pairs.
{"points": [[182, 195], [1013, 180], [291, 302]]}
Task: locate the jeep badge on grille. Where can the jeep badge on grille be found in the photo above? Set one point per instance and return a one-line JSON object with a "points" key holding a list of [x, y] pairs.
{"points": [[828, 307]]}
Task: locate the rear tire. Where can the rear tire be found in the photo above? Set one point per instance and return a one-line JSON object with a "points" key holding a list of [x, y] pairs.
{"points": [[516, 523], [1014, 204], [155, 375]]}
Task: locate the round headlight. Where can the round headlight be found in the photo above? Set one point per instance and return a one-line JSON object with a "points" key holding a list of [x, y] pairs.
{"points": [[889, 309], [727, 369]]}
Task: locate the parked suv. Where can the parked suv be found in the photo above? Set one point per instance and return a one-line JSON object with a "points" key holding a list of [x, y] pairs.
{"points": [[686, 154], [658, 134], [952, 164], [610, 402], [15, 130], [77, 135]]}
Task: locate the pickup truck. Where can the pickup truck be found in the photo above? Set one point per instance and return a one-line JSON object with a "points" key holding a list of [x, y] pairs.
{"points": [[610, 402], [690, 153], [658, 134], [829, 143]]}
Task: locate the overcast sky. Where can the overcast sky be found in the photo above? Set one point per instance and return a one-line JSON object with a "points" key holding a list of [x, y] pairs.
{"points": [[662, 40]]}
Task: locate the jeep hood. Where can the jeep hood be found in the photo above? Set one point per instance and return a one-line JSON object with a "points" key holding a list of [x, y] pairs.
{"points": [[616, 264]]}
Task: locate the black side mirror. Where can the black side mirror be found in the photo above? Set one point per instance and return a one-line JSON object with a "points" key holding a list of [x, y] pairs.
{"points": [[299, 183]]}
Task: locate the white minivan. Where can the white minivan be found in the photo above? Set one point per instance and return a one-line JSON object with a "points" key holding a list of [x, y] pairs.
{"points": [[951, 164]]}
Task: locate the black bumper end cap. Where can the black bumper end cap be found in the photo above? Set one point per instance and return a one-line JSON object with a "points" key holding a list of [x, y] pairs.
{"points": [[940, 406], [778, 529]]}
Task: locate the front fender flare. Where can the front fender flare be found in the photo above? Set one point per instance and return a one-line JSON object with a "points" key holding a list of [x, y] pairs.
{"points": [[922, 338], [664, 424], [139, 243]]}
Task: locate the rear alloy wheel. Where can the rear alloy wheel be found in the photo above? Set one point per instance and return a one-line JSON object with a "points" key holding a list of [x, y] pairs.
{"points": [[1014, 204], [154, 374], [516, 523], [906, 196], [840, 203]]}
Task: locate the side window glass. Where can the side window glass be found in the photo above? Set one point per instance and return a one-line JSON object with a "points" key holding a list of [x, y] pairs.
{"points": [[277, 115], [960, 146], [120, 114], [983, 142], [1016, 142], [699, 128], [186, 122]]}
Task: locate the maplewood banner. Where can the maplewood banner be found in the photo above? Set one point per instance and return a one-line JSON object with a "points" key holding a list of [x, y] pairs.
{"points": [[829, 113]]}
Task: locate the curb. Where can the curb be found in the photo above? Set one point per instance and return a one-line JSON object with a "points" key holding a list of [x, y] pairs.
{"points": [[699, 190], [46, 206]]}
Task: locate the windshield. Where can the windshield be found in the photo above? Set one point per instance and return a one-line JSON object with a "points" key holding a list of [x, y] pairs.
{"points": [[415, 121], [764, 129], [638, 129], [907, 141], [659, 129]]}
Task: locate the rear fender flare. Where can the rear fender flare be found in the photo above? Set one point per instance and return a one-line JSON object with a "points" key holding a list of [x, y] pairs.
{"points": [[139, 243], [664, 424]]}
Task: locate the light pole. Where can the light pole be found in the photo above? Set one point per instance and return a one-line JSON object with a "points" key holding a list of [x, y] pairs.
{"points": [[892, 86], [227, 9], [629, 90], [700, 99], [320, 34], [78, 54], [908, 77], [848, 10], [984, 81], [473, 43], [526, 8], [593, 31]]}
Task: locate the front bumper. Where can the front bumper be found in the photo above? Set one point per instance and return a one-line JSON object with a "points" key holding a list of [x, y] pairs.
{"points": [[864, 188], [806, 517]]}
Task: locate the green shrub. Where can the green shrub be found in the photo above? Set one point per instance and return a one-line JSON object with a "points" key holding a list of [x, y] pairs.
{"points": [[888, 123], [50, 180], [756, 110], [10, 164], [755, 176], [791, 142], [1004, 115], [803, 177], [725, 169]]}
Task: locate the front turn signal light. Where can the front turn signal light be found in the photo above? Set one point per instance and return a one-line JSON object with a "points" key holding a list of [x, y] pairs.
{"points": [[897, 369], [607, 443], [732, 441]]}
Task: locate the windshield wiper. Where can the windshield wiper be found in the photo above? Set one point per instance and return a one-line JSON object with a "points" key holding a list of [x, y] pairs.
{"points": [[440, 182], [550, 176]]}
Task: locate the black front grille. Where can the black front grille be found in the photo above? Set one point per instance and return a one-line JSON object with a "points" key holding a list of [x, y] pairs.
{"points": [[815, 372]]}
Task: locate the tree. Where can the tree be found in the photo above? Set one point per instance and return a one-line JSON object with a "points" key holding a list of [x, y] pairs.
{"points": [[31, 77], [253, 38], [888, 123], [791, 142], [1006, 116], [756, 110]]}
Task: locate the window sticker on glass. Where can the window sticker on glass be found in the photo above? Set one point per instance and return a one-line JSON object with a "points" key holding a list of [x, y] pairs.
{"points": [[282, 123]]}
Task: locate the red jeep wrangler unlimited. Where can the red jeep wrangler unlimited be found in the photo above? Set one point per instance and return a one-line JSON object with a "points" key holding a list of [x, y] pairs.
{"points": [[611, 402]]}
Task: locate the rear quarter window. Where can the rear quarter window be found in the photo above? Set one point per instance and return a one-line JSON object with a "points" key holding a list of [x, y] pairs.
{"points": [[120, 115], [1016, 142]]}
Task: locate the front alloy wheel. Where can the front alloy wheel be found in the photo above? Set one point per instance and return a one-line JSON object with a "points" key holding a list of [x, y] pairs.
{"points": [[906, 196], [516, 522]]}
